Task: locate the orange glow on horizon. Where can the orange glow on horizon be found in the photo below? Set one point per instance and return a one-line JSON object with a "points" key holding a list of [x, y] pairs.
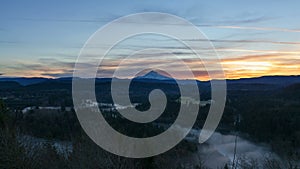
{"points": [[234, 67]]}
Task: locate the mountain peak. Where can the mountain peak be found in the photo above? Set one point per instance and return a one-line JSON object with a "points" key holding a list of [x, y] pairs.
{"points": [[154, 75], [152, 72]]}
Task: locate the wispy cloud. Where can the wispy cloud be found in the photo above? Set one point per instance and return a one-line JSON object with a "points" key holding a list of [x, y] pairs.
{"points": [[224, 24], [46, 67], [255, 28], [71, 20], [68, 73], [233, 21], [245, 41], [8, 42], [240, 58]]}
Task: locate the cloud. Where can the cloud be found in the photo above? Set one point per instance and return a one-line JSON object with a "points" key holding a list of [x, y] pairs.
{"points": [[275, 63], [245, 20], [8, 42], [234, 67], [66, 73], [56, 62], [257, 28], [244, 41], [226, 24], [45, 67], [84, 20]]}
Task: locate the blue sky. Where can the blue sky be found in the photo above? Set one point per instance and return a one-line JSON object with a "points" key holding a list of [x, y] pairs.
{"points": [[43, 38]]}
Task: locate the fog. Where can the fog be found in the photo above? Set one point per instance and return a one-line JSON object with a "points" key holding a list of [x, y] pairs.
{"points": [[219, 150], [214, 153]]}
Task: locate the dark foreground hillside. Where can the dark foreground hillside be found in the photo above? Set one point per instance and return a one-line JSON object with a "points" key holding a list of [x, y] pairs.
{"points": [[39, 127]]}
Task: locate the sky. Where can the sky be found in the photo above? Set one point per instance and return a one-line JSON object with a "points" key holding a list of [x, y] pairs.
{"points": [[252, 38]]}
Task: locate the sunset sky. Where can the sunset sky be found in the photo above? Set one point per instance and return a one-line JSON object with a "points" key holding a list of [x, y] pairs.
{"points": [[252, 38]]}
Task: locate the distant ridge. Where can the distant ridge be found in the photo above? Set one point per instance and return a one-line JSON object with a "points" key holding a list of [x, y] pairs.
{"points": [[279, 80], [24, 81], [156, 76]]}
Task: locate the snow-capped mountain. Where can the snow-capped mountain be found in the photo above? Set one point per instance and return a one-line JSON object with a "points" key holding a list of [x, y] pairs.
{"points": [[154, 76]]}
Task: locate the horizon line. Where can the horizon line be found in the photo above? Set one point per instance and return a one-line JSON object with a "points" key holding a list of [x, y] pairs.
{"points": [[54, 78]]}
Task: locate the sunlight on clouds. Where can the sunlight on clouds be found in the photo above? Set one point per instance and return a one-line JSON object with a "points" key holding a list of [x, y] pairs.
{"points": [[251, 66]]}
